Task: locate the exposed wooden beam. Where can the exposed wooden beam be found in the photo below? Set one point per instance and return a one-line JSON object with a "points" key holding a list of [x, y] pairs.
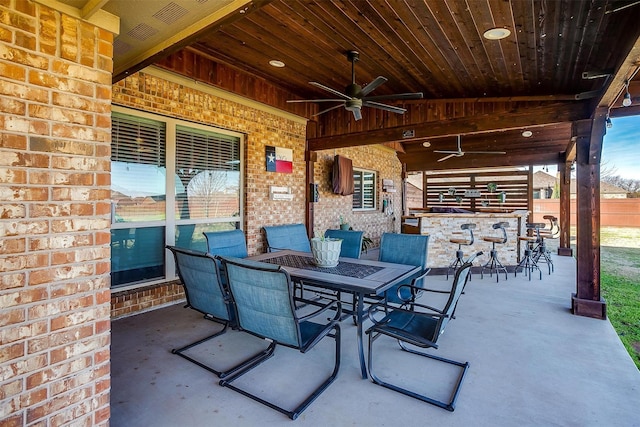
{"points": [[515, 119], [396, 146], [627, 68], [91, 7], [570, 154], [469, 161], [632, 110]]}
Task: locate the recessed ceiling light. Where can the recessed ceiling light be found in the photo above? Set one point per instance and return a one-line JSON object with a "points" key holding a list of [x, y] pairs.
{"points": [[496, 33], [426, 144], [527, 133], [276, 63]]}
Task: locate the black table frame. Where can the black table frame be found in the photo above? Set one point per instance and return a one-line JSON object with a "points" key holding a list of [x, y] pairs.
{"points": [[388, 275]]}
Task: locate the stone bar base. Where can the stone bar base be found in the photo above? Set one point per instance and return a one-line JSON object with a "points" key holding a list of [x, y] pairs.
{"points": [[442, 226], [588, 308]]}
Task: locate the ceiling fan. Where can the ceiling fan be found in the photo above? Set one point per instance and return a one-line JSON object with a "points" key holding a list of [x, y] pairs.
{"points": [[460, 153], [355, 96]]}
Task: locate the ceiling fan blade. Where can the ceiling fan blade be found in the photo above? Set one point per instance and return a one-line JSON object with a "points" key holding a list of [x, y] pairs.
{"points": [[486, 152], [357, 114], [384, 107], [448, 157], [329, 109], [446, 151], [414, 95], [373, 85], [315, 100], [328, 89]]}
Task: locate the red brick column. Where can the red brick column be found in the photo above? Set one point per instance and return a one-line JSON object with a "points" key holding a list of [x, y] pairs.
{"points": [[55, 105]]}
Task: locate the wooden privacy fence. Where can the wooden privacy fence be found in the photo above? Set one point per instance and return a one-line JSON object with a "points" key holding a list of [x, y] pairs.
{"points": [[506, 190], [613, 212]]}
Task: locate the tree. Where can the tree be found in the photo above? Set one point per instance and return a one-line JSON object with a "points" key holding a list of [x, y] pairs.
{"points": [[205, 186], [632, 186]]}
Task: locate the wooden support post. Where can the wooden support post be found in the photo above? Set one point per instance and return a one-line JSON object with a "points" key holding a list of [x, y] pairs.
{"points": [[425, 187], [564, 171], [310, 158], [405, 176], [587, 300]]}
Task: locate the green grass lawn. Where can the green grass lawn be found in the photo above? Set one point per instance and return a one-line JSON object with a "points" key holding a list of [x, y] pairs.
{"points": [[620, 284]]}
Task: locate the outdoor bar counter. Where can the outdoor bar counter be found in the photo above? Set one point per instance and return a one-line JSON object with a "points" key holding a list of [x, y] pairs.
{"points": [[442, 226]]}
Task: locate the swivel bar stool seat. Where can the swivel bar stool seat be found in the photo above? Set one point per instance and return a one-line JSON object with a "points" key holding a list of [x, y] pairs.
{"points": [[459, 253], [494, 263], [528, 263]]}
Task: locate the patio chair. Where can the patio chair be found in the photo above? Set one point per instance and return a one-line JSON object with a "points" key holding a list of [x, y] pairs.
{"points": [[200, 278], [351, 248], [263, 297], [351, 242], [288, 236], [409, 249], [418, 325], [226, 243]]}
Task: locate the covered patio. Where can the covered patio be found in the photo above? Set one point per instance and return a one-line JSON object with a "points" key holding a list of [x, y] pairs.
{"points": [[74, 349], [528, 357]]}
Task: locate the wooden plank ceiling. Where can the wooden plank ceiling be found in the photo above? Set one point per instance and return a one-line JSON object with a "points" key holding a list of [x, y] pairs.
{"points": [[487, 91]]}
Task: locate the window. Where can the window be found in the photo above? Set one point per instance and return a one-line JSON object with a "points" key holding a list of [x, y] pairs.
{"points": [[364, 189], [152, 208]]}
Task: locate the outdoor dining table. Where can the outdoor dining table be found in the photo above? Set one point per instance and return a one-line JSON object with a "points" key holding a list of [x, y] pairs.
{"points": [[360, 277]]}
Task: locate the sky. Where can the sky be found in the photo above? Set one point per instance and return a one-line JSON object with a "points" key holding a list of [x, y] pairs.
{"points": [[621, 147]]}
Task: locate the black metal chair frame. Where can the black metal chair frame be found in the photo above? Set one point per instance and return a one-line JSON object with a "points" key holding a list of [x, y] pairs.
{"points": [[459, 253], [494, 263], [421, 329], [528, 263], [331, 329], [540, 252], [208, 316]]}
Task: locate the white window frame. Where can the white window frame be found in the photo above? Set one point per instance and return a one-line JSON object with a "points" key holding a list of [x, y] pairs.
{"points": [[170, 221], [374, 206]]}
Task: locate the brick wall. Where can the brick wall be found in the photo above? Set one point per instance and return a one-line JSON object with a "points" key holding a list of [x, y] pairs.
{"points": [[153, 91], [55, 94], [126, 303], [327, 211]]}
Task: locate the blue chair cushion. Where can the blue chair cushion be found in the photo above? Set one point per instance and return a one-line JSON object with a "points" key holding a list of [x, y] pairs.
{"points": [[203, 290], [351, 241], [226, 243], [409, 249], [263, 297], [289, 236]]}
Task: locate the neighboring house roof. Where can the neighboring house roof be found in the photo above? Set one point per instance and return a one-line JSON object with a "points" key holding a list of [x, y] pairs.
{"points": [[543, 180]]}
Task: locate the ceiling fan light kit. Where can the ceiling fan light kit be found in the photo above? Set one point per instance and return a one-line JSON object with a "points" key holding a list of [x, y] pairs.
{"points": [[355, 96]]}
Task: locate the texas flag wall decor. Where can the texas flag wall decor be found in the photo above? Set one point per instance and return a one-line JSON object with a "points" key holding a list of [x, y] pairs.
{"points": [[279, 159]]}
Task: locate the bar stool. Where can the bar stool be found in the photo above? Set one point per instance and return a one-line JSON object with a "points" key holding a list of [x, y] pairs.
{"points": [[541, 253], [459, 254], [494, 263], [527, 263]]}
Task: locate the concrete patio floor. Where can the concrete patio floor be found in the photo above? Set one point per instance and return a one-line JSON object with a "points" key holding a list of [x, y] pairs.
{"points": [[532, 363]]}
